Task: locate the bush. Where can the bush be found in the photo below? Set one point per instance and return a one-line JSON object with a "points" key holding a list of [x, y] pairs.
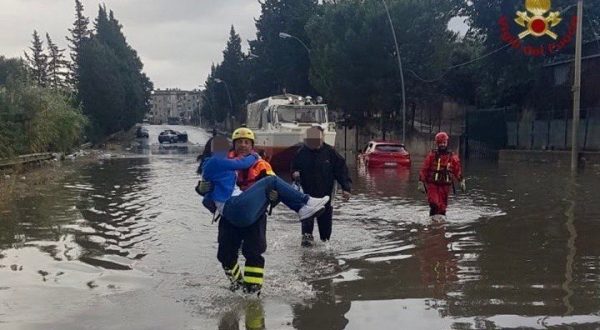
{"points": [[32, 118]]}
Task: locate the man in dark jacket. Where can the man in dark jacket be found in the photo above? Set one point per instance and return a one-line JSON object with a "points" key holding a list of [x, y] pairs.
{"points": [[317, 166]]}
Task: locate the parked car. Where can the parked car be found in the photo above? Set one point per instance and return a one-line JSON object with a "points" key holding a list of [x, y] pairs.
{"points": [[385, 154], [172, 136], [141, 132]]}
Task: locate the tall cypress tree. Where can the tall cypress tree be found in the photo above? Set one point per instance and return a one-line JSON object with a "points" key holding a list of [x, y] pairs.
{"points": [[114, 90], [79, 33], [56, 65], [231, 71], [38, 60], [282, 63]]}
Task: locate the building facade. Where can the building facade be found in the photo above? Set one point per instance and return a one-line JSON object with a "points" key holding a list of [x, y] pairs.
{"points": [[175, 106]]}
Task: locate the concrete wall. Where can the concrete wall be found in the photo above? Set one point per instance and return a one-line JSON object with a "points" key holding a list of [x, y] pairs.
{"points": [[562, 158], [541, 134]]}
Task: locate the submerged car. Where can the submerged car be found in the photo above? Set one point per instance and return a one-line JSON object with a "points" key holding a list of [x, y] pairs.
{"points": [[172, 136], [378, 154]]}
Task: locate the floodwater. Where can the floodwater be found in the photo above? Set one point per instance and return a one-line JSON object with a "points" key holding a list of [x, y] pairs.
{"points": [[124, 243]]}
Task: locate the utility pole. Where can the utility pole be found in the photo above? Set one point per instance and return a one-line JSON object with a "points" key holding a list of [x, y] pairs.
{"points": [[401, 72], [576, 92]]}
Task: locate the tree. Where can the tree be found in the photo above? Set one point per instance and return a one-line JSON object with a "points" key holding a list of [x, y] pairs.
{"points": [[508, 76], [231, 72], [114, 90], [79, 33], [34, 118], [281, 63], [38, 60], [354, 53], [57, 65]]}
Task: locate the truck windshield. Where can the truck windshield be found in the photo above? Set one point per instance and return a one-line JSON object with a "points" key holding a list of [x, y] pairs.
{"points": [[299, 114]]}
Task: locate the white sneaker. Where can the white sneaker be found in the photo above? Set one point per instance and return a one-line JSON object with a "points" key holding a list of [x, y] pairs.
{"points": [[313, 206]]}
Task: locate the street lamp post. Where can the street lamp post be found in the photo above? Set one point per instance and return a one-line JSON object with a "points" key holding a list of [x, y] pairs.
{"points": [[284, 35], [230, 103], [401, 72]]}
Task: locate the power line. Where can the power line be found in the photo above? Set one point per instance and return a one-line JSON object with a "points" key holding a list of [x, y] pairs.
{"points": [[448, 69]]}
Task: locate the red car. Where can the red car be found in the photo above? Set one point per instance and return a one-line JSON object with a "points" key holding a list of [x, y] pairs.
{"points": [[385, 154]]}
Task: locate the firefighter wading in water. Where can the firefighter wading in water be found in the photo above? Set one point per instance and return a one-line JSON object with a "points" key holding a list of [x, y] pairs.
{"points": [[439, 171], [251, 239]]}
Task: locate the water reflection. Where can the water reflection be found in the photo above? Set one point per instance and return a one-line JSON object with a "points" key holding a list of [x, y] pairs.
{"points": [[96, 217], [386, 182], [524, 258], [253, 312]]}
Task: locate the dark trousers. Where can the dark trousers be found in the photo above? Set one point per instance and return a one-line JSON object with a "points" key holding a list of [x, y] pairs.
{"points": [[252, 240], [324, 221]]}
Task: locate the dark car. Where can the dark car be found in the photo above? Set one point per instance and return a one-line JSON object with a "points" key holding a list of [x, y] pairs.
{"points": [[172, 136], [141, 132]]}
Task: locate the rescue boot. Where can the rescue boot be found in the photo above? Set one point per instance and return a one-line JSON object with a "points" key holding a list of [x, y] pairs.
{"points": [[235, 277], [252, 288], [307, 240], [253, 279]]}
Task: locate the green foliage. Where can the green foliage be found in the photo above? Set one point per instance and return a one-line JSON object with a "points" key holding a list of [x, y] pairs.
{"points": [[34, 118], [113, 89], [38, 60], [354, 56], [233, 76], [509, 77], [57, 66], [79, 33], [281, 63]]}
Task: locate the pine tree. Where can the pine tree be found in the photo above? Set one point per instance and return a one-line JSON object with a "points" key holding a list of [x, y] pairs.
{"points": [[282, 63], [232, 73], [56, 65], [114, 90], [38, 61], [79, 33]]}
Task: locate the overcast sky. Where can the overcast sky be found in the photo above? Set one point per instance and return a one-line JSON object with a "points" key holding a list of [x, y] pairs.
{"points": [[178, 40]]}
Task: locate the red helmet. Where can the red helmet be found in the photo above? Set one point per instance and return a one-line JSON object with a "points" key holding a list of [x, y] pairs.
{"points": [[441, 137]]}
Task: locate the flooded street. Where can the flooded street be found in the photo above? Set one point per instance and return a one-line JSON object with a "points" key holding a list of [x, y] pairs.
{"points": [[124, 243]]}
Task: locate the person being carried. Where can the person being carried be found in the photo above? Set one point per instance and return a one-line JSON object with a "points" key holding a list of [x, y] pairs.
{"points": [[245, 207]]}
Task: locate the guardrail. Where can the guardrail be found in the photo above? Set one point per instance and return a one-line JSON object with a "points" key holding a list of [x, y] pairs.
{"points": [[25, 159]]}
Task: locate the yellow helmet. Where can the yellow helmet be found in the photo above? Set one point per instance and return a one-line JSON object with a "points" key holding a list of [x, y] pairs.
{"points": [[243, 133]]}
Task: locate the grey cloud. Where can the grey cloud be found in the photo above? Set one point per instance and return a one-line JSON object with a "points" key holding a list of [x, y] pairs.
{"points": [[177, 40]]}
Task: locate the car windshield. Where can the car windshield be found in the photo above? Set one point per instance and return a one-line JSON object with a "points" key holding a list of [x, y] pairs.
{"points": [[389, 147], [296, 114]]}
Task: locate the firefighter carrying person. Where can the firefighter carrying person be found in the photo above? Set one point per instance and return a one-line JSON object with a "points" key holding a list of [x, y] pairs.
{"points": [[318, 166], [439, 171], [252, 239]]}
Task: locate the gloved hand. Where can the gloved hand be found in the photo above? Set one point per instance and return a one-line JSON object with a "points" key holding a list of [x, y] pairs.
{"points": [[421, 187], [273, 196], [204, 187], [463, 185]]}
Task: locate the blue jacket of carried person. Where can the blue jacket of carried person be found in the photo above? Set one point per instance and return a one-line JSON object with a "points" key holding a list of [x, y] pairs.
{"points": [[220, 171]]}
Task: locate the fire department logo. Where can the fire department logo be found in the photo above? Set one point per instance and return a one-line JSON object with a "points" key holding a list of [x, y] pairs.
{"points": [[538, 25], [533, 25]]}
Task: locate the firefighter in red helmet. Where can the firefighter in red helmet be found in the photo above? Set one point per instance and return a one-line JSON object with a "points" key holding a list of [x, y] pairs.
{"points": [[440, 170]]}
